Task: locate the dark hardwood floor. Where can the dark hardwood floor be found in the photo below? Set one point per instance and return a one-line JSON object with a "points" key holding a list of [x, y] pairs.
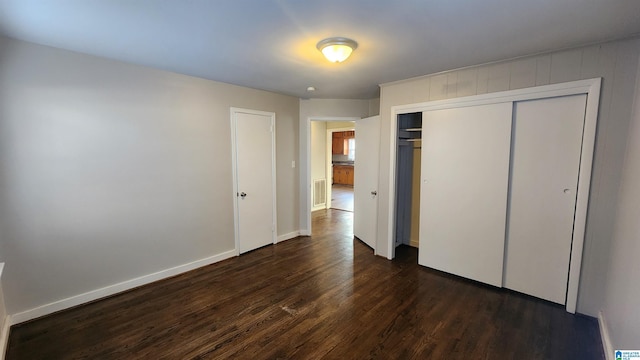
{"points": [[320, 297]]}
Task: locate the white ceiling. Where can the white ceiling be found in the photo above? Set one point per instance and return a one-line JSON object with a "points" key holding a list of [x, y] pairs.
{"points": [[270, 44]]}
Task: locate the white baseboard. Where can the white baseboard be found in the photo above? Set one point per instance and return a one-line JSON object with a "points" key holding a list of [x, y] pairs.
{"points": [[116, 288], [604, 334], [414, 243], [4, 337], [288, 236], [319, 207], [305, 232]]}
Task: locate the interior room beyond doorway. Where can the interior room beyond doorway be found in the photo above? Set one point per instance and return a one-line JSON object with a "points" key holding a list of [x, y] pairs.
{"points": [[332, 164]]}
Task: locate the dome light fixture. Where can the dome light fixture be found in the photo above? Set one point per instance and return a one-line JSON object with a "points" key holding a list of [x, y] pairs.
{"points": [[337, 49]]}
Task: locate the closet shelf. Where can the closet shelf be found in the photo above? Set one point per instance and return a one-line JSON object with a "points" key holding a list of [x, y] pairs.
{"points": [[404, 134]]}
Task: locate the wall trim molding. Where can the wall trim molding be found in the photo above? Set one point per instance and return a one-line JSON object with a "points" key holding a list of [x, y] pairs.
{"points": [[4, 336], [115, 288], [607, 346], [4, 321], [288, 236]]}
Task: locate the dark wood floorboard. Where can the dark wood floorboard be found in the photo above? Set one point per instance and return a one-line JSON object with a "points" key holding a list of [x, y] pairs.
{"points": [[320, 297]]}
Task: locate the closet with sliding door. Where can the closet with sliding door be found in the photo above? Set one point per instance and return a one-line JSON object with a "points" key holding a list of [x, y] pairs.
{"points": [[504, 183]]}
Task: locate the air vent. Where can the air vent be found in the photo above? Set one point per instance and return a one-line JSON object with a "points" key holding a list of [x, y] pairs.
{"points": [[319, 192]]}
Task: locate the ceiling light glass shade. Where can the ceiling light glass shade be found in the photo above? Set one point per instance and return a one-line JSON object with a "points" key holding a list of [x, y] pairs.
{"points": [[337, 49]]}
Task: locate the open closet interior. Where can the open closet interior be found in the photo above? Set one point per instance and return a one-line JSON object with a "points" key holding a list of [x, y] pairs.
{"points": [[409, 144]]}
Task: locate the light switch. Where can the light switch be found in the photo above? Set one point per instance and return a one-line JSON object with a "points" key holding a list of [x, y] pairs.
{"points": [[293, 164]]}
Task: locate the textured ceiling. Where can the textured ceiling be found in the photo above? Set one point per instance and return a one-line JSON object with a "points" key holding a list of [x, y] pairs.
{"points": [[270, 45]]}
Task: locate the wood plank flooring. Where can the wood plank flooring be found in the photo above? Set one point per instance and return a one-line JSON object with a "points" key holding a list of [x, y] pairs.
{"points": [[320, 297], [342, 197]]}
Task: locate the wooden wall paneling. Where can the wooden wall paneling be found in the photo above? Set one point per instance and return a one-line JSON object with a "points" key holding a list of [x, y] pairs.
{"points": [[421, 95], [590, 62], [615, 60], [543, 70], [565, 66], [467, 83], [523, 74], [438, 87], [483, 80], [452, 84], [499, 75]]}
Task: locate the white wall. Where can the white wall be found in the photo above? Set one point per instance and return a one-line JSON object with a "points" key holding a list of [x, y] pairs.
{"points": [[319, 150], [615, 62], [111, 171], [374, 107], [622, 295]]}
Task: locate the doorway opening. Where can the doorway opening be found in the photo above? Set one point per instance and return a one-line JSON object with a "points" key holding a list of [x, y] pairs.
{"points": [[342, 161], [364, 172], [332, 156]]}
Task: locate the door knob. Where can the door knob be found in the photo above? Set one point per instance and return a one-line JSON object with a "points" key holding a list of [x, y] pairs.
{"points": [[374, 193], [243, 194]]}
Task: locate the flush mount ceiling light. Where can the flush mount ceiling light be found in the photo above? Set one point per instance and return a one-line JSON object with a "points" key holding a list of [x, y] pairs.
{"points": [[337, 49]]}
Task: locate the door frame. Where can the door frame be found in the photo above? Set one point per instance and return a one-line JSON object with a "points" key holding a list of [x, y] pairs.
{"points": [[329, 162], [590, 87], [305, 190], [234, 170]]}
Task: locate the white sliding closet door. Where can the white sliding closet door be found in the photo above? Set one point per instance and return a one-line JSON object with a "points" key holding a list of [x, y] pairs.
{"points": [[545, 162], [463, 196]]}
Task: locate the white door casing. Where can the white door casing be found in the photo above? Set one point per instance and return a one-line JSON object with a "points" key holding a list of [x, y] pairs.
{"points": [[253, 143], [365, 189], [545, 160], [463, 193]]}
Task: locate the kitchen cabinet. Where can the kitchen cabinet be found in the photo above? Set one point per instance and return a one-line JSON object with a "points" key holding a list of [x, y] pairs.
{"points": [[340, 142], [337, 144], [343, 174]]}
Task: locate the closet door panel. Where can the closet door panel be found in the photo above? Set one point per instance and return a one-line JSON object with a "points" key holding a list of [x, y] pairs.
{"points": [[547, 142], [463, 194]]}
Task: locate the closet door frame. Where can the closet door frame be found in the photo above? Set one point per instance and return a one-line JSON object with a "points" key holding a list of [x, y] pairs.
{"points": [[590, 87]]}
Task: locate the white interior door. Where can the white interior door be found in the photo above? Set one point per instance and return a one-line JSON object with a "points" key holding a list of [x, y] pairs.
{"points": [[547, 143], [463, 193], [365, 187], [255, 178]]}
